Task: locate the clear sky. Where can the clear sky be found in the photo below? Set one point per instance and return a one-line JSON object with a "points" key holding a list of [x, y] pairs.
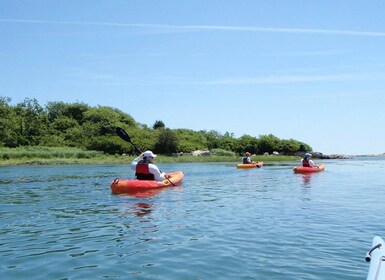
{"points": [[308, 70]]}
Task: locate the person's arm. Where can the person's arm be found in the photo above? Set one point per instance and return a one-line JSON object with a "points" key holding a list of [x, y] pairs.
{"points": [[312, 164], [158, 176], [135, 162]]}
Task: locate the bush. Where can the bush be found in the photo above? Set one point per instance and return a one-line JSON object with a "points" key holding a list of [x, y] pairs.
{"points": [[222, 152]]}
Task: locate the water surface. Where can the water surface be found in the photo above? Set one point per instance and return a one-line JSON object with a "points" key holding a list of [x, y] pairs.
{"points": [[62, 222]]}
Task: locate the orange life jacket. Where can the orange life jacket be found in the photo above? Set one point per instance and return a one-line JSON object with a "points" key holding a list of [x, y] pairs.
{"points": [[142, 172]]}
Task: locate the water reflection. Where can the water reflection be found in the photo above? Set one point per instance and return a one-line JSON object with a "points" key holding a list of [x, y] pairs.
{"points": [[149, 192], [306, 179], [139, 209], [142, 209]]}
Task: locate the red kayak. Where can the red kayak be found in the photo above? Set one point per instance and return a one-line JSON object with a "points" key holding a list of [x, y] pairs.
{"points": [[129, 185], [302, 169]]}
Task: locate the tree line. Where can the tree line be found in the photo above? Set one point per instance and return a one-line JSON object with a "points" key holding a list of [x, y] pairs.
{"points": [[60, 124]]}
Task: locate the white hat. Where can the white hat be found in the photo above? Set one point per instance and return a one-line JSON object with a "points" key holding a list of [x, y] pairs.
{"points": [[149, 154]]}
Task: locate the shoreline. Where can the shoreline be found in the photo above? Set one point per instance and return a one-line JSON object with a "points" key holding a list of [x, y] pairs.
{"points": [[127, 160], [114, 159]]}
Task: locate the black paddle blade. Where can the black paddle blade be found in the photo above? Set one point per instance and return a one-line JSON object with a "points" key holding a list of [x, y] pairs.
{"points": [[123, 134]]}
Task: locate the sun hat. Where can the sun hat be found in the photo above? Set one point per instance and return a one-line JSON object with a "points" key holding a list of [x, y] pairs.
{"points": [[247, 154], [307, 155], [149, 154]]}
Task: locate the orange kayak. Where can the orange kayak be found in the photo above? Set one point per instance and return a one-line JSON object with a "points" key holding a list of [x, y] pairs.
{"points": [[128, 185], [250, 165], [302, 169]]}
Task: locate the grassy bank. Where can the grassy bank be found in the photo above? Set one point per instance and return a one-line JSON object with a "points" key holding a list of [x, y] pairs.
{"points": [[189, 159], [53, 155]]}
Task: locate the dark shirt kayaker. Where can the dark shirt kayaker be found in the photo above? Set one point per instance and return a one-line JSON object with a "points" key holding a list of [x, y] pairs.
{"points": [[247, 158], [307, 162]]}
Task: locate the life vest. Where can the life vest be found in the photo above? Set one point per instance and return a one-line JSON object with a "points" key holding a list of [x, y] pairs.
{"points": [[305, 163], [142, 172]]}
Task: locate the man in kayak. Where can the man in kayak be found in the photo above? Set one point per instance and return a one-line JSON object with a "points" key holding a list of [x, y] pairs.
{"points": [[145, 169], [307, 162], [247, 158]]}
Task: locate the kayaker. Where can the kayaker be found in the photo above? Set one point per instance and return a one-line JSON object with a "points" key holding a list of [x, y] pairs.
{"points": [[247, 158], [307, 162], [145, 169]]}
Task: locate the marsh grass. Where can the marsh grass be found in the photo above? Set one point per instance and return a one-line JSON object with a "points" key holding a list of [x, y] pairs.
{"points": [[190, 159], [48, 155], [37, 155]]}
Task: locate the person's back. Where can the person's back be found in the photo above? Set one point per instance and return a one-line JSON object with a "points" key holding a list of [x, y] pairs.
{"points": [[247, 158], [145, 169], [142, 171], [307, 162]]}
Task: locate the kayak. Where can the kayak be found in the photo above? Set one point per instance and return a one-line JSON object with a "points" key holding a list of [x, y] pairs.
{"points": [[302, 169], [250, 165], [129, 185], [376, 257]]}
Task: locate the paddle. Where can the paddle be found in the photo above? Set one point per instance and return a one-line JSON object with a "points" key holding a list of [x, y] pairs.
{"points": [[123, 134]]}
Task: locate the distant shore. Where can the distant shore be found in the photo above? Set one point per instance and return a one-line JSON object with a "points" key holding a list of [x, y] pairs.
{"points": [[127, 159], [66, 156], [343, 156], [61, 156]]}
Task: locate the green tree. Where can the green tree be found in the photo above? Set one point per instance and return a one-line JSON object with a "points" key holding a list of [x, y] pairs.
{"points": [[144, 139], [74, 137], [73, 111], [107, 144], [62, 124], [190, 140], [268, 143], [289, 147], [167, 142], [79, 125], [32, 122], [213, 139], [158, 124], [247, 143], [7, 123], [102, 120], [228, 142]]}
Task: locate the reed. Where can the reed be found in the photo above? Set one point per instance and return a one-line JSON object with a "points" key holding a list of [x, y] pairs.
{"points": [[38, 155]]}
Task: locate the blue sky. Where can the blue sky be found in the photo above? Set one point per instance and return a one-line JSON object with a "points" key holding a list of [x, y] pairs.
{"points": [[312, 71]]}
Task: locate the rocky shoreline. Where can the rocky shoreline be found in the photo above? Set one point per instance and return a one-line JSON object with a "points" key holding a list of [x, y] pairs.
{"points": [[340, 156]]}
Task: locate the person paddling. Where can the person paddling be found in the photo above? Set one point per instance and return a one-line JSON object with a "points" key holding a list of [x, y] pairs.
{"points": [[307, 162], [247, 158], [145, 169]]}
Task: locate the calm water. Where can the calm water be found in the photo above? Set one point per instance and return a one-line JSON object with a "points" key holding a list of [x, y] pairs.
{"points": [[61, 222]]}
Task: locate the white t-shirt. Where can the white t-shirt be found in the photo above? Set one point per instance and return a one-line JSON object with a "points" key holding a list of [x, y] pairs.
{"points": [[158, 176]]}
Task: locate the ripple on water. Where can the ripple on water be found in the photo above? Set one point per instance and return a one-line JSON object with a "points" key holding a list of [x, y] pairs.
{"points": [[223, 223]]}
